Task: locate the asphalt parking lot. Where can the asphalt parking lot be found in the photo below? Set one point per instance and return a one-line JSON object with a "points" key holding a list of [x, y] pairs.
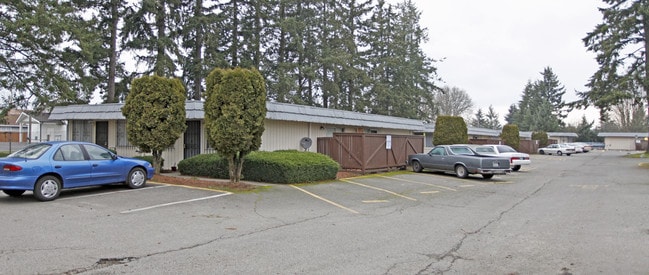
{"points": [[560, 214]]}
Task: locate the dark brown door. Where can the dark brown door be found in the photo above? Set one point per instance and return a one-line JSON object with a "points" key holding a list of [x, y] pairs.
{"points": [[192, 139], [101, 133]]}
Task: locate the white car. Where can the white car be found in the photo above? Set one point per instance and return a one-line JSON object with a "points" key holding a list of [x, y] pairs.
{"points": [[557, 149], [516, 159], [585, 147]]}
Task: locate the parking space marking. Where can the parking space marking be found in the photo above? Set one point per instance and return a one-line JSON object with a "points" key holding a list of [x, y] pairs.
{"points": [[108, 193], [325, 200], [429, 192], [424, 183], [174, 203], [588, 186], [466, 185], [193, 187], [375, 201], [380, 189]]}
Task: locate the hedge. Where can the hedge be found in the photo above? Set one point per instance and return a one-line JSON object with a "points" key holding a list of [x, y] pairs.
{"points": [[284, 166]]}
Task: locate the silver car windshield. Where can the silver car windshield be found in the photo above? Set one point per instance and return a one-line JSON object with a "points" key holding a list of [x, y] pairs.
{"points": [[505, 149], [461, 150]]}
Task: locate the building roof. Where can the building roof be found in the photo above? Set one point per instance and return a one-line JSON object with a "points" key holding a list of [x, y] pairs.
{"points": [[475, 131], [562, 134], [620, 134], [275, 111]]}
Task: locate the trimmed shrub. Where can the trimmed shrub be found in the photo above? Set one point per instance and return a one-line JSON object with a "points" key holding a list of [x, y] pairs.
{"points": [[289, 166], [450, 130], [510, 136], [542, 137], [206, 165], [284, 166]]}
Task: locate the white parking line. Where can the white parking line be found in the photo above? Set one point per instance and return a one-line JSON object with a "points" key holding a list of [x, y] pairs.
{"points": [[380, 189], [108, 193], [424, 183], [325, 200], [174, 203]]}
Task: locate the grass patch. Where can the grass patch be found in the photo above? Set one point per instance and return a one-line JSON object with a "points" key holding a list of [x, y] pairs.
{"points": [[638, 155]]}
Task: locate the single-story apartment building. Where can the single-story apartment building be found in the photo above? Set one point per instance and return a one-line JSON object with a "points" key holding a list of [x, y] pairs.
{"points": [[624, 141], [285, 126]]}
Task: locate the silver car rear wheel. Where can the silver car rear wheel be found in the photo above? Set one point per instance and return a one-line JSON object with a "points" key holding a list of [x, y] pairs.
{"points": [[461, 171]]}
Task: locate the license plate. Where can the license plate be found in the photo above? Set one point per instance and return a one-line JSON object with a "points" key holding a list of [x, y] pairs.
{"points": [[496, 164]]}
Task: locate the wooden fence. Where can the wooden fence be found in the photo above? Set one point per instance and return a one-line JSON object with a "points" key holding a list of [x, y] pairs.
{"points": [[370, 152]]}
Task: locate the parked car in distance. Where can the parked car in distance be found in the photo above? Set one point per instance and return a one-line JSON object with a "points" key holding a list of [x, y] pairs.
{"points": [[557, 149], [46, 168], [516, 159], [585, 147], [461, 160], [597, 145], [578, 148]]}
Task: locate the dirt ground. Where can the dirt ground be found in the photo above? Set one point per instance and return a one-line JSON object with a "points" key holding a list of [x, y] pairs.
{"points": [[220, 183]]}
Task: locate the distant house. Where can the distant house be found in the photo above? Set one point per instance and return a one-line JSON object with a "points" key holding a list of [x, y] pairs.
{"points": [[285, 126], [625, 141], [562, 137], [27, 126]]}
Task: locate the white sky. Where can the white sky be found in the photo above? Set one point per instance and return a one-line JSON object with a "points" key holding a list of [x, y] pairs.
{"points": [[492, 48]]}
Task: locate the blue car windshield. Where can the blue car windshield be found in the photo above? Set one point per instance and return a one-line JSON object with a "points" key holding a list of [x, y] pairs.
{"points": [[31, 152]]}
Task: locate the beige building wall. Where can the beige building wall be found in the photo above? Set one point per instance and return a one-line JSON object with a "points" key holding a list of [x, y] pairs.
{"points": [[619, 143], [278, 135], [286, 135]]}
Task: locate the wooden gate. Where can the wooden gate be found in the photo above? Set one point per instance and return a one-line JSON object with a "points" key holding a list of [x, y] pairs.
{"points": [[370, 152]]}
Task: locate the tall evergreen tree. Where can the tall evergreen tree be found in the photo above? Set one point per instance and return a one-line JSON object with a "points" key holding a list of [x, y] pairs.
{"points": [[103, 51], [42, 57], [493, 120], [585, 130], [622, 52], [200, 27], [510, 118], [150, 32], [541, 107], [479, 120], [403, 65]]}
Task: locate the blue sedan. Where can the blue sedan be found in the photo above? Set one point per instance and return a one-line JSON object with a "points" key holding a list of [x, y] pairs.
{"points": [[46, 168]]}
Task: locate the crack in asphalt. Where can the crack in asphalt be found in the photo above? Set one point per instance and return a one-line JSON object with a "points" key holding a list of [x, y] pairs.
{"points": [[452, 253], [107, 262]]}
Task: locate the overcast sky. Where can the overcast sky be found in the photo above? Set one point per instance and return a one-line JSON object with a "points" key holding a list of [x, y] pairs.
{"points": [[491, 49]]}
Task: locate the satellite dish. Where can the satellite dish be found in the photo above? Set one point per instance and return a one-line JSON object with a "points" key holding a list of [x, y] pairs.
{"points": [[306, 142]]}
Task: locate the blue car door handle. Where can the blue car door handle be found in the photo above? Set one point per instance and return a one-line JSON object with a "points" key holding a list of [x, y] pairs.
{"points": [[95, 165], [57, 166]]}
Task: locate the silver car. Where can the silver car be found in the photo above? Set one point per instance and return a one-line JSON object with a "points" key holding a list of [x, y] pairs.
{"points": [[460, 160], [557, 149]]}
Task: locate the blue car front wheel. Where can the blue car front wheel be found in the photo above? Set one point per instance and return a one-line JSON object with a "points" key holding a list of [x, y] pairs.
{"points": [[136, 178]]}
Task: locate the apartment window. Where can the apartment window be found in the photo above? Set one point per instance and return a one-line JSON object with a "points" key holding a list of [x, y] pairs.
{"points": [[82, 131], [122, 137]]}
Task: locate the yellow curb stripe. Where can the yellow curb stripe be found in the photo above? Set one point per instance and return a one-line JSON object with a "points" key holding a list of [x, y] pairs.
{"points": [[424, 183], [380, 189], [325, 200]]}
